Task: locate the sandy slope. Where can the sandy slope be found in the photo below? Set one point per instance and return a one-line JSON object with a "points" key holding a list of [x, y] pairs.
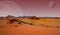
{"points": [[24, 29]]}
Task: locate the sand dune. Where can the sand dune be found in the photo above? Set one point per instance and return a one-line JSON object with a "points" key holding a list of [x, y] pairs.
{"points": [[24, 29]]}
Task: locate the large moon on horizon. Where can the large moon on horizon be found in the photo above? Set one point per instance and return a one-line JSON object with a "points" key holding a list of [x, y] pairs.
{"points": [[10, 8]]}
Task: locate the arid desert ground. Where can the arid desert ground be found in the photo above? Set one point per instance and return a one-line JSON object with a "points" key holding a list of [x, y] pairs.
{"points": [[39, 27]]}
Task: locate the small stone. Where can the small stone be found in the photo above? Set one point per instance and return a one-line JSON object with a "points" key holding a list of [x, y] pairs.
{"points": [[16, 26], [31, 24]]}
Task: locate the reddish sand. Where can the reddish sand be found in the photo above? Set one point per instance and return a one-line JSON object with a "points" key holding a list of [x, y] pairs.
{"points": [[24, 29]]}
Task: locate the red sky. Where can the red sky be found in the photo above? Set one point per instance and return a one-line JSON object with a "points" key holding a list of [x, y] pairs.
{"points": [[30, 8]]}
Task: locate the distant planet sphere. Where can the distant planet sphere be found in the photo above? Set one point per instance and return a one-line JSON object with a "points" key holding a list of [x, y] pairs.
{"points": [[51, 4]]}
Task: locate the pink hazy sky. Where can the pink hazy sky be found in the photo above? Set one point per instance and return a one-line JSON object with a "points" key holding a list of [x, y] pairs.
{"points": [[29, 8]]}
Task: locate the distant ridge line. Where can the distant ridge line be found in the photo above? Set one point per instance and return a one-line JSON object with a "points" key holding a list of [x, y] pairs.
{"points": [[9, 16]]}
